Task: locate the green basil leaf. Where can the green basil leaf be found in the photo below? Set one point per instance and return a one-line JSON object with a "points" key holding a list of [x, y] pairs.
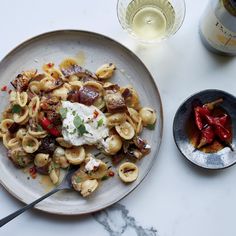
{"points": [[77, 121], [16, 108], [63, 112], [100, 123], [39, 128], [151, 127], [82, 129]]}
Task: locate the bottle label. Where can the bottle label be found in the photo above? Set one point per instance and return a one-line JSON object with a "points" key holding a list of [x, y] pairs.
{"points": [[216, 34]]}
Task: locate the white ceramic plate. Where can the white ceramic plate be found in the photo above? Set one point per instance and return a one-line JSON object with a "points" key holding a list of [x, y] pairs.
{"points": [[93, 50]]}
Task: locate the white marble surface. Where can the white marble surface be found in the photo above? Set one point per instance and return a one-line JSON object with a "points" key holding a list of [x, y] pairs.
{"points": [[176, 198]]}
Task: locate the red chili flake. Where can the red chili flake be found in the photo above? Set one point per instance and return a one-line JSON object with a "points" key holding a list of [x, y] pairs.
{"points": [[33, 172], [95, 114], [111, 173], [4, 88], [10, 91], [50, 64]]}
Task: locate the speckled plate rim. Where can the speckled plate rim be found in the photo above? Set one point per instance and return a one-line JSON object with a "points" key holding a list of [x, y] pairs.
{"points": [[174, 134], [161, 118]]}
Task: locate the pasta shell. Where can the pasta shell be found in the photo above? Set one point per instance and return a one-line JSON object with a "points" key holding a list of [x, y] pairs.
{"points": [[133, 114], [19, 157], [54, 175], [73, 78], [35, 87], [41, 159], [86, 187], [21, 98], [139, 127], [67, 63], [21, 117], [6, 124], [30, 73], [49, 83], [125, 130], [96, 85], [12, 97], [113, 144], [55, 73], [30, 144], [133, 100], [5, 139], [116, 119], [38, 134], [98, 172], [75, 155], [60, 158], [13, 143], [61, 93], [106, 71], [76, 85], [128, 172], [21, 133], [148, 116], [63, 142], [34, 106], [100, 103]]}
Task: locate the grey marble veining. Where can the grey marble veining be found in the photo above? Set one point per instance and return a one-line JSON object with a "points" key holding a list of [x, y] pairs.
{"points": [[117, 221]]}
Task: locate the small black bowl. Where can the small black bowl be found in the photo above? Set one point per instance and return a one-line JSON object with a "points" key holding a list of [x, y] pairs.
{"points": [[217, 160]]}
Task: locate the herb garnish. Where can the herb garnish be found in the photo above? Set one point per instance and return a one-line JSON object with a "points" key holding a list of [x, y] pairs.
{"points": [[63, 112], [100, 123], [39, 128], [151, 127], [79, 124], [82, 129], [77, 121], [16, 108]]}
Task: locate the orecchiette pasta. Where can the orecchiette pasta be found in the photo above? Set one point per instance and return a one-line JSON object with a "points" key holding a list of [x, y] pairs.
{"points": [[30, 144], [13, 143], [148, 116], [21, 98], [75, 155], [125, 130], [21, 133], [41, 159], [34, 106], [5, 139], [113, 144], [116, 119], [35, 87], [6, 124], [38, 134], [21, 117], [63, 142], [56, 118]]}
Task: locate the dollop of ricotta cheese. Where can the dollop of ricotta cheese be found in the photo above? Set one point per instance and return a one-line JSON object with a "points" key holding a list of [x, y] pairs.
{"points": [[83, 124], [91, 164]]}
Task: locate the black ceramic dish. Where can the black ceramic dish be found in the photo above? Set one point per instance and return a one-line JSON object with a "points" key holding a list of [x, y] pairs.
{"points": [[217, 160]]}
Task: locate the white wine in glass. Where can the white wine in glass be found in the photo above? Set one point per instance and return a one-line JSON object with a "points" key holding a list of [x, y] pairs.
{"points": [[150, 20]]}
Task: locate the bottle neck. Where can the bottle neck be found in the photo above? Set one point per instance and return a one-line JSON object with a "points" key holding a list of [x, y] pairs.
{"points": [[230, 6]]}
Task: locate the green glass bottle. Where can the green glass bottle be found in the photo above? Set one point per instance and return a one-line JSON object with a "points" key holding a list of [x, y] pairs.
{"points": [[218, 27]]}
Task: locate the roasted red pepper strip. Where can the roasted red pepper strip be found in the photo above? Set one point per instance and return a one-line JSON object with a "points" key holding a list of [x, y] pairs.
{"points": [[200, 113], [47, 125], [207, 137], [218, 124]]}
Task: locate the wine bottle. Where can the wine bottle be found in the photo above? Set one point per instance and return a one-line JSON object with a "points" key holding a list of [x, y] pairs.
{"points": [[218, 27]]}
